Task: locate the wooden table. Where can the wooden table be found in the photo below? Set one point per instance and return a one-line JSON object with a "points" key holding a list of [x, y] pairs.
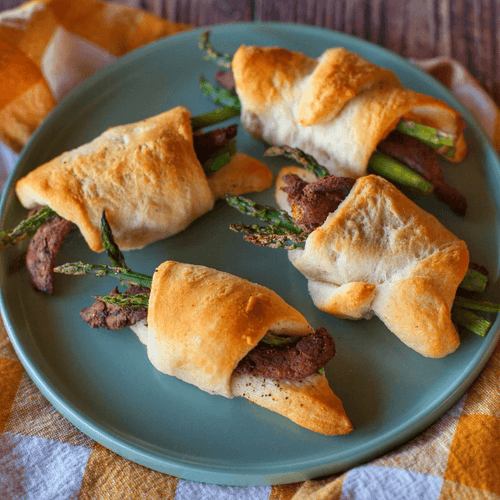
{"points": [[466, 30]]}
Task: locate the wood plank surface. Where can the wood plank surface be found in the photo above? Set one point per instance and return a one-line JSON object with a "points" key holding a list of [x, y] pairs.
{"points": [[466, 30]]}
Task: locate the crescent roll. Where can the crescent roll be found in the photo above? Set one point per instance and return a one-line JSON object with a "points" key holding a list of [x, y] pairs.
{"points": [[336, 108], [379, 253], [144, 175], [202, 322]]}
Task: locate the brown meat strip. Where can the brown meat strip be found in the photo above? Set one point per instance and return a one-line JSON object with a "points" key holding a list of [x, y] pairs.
{"points": [[290, 361], [312, 202], [225, 79], [114, 317], [46, 243], [423, 160], [42, 252], [207, 143]]}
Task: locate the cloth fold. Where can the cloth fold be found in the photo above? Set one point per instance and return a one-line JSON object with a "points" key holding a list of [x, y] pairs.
{"points": [[48, 47]]}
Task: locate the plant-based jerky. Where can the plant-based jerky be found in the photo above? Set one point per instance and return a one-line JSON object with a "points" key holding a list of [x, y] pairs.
{"points": [[114, 317], [290, 361], [424, 160], [313, 202], [42, 252]]}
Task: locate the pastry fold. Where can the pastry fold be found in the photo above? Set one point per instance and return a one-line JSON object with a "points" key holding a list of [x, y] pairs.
{"points": [[336, 108], [379, 253], [202, 322], [144, 175]]}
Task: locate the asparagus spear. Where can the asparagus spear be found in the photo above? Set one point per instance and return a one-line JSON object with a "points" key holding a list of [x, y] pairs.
{"points": [[270, 236], [127, 300], [307, 161], [279, 218], [461, 313], [474, 281], [274, 236], [477, 305], [272, 339], [471, 321], [220, 158], [25, 228], [213, 117], [392, 170], [28, 227], [383, 165], [99, 270], [436, 139], [108, 242], [220, 96], [223, 60]]}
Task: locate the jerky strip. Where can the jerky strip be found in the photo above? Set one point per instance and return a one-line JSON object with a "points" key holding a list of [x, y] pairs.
{"points": [[291, 361], [42, 252], [114, 317]]}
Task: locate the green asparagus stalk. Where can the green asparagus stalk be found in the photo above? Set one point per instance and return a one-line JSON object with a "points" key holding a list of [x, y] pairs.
{"points": [[270, 338], [473, 322], [474, 281], [220, 96], [220, 158], [277, 236], [307, 161], [28, 227], [128, 300], [436, 139], [278, 218], [223, 60], [214, 117], [477, 305], [394, 171], [25, 228], [270, 236], [108, 242], [444, 142], [99, 270], [383, 165], [267, 230]]}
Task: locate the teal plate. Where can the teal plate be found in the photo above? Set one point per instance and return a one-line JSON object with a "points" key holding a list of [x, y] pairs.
{"points": [[102, 380]]}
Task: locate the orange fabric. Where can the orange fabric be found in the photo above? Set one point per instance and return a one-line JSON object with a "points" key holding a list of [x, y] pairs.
{"points": [[11, 372], [29, 37], [105, 471], [16, 66], [475, 453]]}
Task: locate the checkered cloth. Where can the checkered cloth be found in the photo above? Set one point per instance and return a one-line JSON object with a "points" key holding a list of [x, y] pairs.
{"points": [[43, 457]]}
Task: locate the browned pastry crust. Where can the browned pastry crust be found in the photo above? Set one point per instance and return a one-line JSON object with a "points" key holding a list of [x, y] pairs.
{"points": [[337, 107], [243, 174], [202, 322], [379, 253], [144, 175]]}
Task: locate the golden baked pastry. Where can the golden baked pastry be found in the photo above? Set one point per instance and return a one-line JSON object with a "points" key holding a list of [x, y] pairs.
{"points": [[379, 253], [201, 323], [144, 175], [336, 108]]}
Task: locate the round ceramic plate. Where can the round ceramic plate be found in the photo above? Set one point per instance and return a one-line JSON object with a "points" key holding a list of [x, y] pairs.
{"points": [[102, 380]]}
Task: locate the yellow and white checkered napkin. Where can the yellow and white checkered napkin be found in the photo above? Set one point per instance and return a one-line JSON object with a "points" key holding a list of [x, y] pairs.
{"points": [[47, 47]]}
